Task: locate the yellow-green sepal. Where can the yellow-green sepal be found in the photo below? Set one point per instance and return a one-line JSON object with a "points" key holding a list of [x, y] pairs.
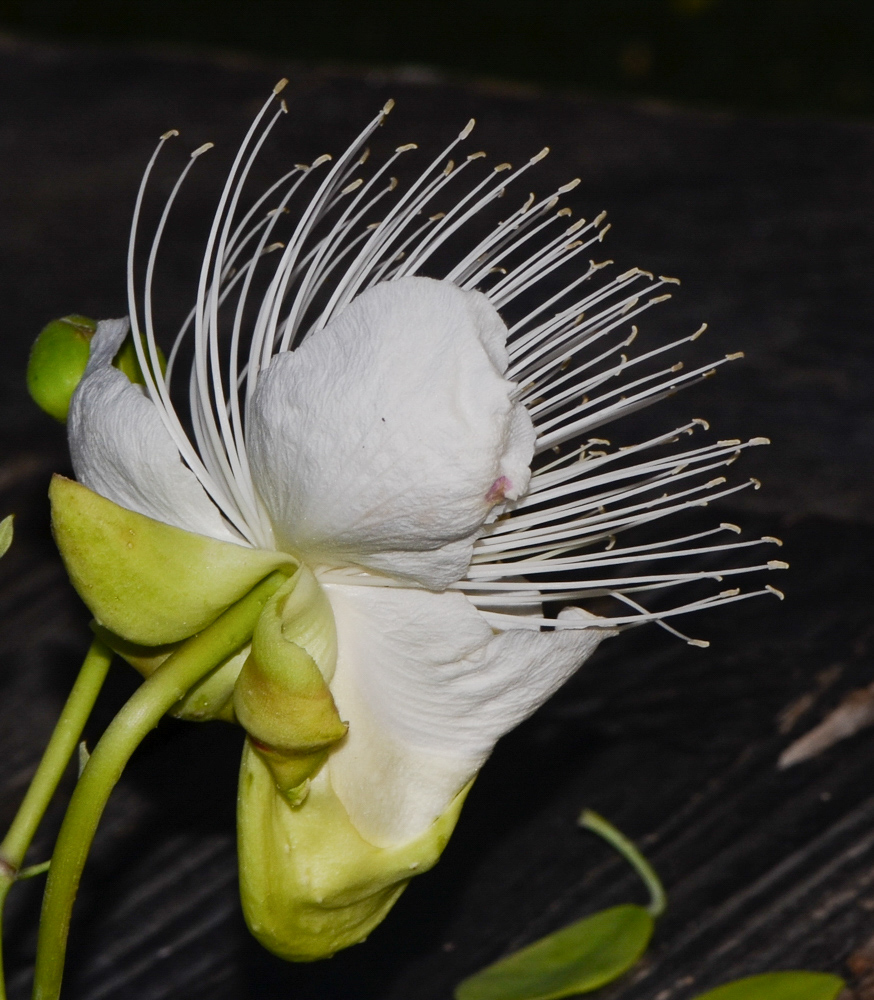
{"points": [[281, 697], [149, 582], [211, 698], [309, 883]]}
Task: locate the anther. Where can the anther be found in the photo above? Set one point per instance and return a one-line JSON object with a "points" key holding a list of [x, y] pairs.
{"points": [[777, 564], [604, 231], [728, 526], [600, 219], [465, 132], [392, 183], [450, 166], [677, 367], [319, 160], [569, 186], [355, 184], [660, 298], [701, 423], [283, 83], [772, 540], [759, 440], [389, 104], [698, 332], [283, 107], [633, 273], [735, 356], [670, 281], [478, 155], [407, 147], [563, 213], [502, 167], [730, 443], [714, 482], [773, 590], [730, 593], [541, 155], [201, 149], [757, 483], [700, 643]]}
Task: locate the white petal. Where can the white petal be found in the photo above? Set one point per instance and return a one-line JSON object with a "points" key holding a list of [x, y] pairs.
{"points": [[427, 689], [121, 449], [388, 438]]}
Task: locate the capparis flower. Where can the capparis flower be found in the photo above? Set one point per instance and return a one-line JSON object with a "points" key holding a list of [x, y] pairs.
{"points": [[401, 409]]}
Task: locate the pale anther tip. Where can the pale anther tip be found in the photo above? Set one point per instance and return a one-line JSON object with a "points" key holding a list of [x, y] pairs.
{"points": [[503, 166], [700, 643], [600, 219], [563, 213], [777, 593], [407, 147], [283, 106], [569, 186], [777, 564], [283, 83], [539, 156], [772, 540], [389, 104], [759, 440], [729, 593], [735, 356], [698, 332], [677, 367], [757, 484], [478, 155], [728, 526], [670, 281], [702, 423], [202, 149], [319, 160], [729, 443], [169, 134], [465, 132]]}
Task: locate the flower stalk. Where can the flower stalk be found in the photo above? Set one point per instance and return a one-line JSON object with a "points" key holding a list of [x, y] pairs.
{"points": [[54, 762], [142, 712]]}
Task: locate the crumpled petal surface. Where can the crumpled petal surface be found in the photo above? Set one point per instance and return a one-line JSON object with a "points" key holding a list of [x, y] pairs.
{"points": [[122, 450], [389, 437], [427, 689]]}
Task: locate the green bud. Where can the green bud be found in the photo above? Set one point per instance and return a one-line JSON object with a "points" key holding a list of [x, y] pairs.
{"points": [[57, 362], [281, 697], [309, 883], [58, 359]]}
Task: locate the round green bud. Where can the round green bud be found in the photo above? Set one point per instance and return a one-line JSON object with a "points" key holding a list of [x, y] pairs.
{"points": [[57, 362]]}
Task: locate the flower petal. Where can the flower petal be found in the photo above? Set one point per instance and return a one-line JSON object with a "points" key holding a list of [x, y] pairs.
{"points": [[427, 689], [121, 449], [389, 437]]}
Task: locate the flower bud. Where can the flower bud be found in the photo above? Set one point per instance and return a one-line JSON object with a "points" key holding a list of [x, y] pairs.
{"points": [[57, 362], [58, 359], [281, 697]]}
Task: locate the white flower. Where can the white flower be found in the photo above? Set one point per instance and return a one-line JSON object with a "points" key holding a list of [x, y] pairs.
{"points": [[420, 434]]}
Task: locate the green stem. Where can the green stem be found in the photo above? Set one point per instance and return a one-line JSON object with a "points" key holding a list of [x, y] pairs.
{"points": [[51, 768], [168, 684], [658, 898]]}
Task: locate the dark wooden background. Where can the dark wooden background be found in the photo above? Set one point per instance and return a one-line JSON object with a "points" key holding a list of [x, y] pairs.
{"points": [[769, 223]]}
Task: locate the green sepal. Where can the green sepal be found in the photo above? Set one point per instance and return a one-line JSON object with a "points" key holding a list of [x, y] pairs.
{"points": [[149, 582], [211, 698], [579, 958], [281, 697], [6, 532], [309, 883]]}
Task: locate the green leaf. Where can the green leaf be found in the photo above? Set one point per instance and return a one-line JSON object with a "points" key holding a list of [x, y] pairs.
{"points": [[577, 959], [5, 534], [779, 986]]}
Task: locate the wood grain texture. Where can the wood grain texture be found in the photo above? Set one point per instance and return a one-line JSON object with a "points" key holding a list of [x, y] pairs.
{"points": [[769, 223]]}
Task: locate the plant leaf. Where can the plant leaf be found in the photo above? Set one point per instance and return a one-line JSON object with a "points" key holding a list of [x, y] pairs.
{"points": [[779, 986], [5, 534], [577, 959]]}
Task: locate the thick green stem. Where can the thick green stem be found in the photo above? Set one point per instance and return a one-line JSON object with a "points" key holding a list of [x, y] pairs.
{"points": [[167, 685], [62, 745]]}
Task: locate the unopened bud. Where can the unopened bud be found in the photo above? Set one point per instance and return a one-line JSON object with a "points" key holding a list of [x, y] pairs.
{"points": [[57, 362], [58, 359]]}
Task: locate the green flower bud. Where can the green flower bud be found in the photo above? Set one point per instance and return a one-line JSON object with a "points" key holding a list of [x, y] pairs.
{"points": [[309, 883], [281, 697], [57, 362], [58, 359]]}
